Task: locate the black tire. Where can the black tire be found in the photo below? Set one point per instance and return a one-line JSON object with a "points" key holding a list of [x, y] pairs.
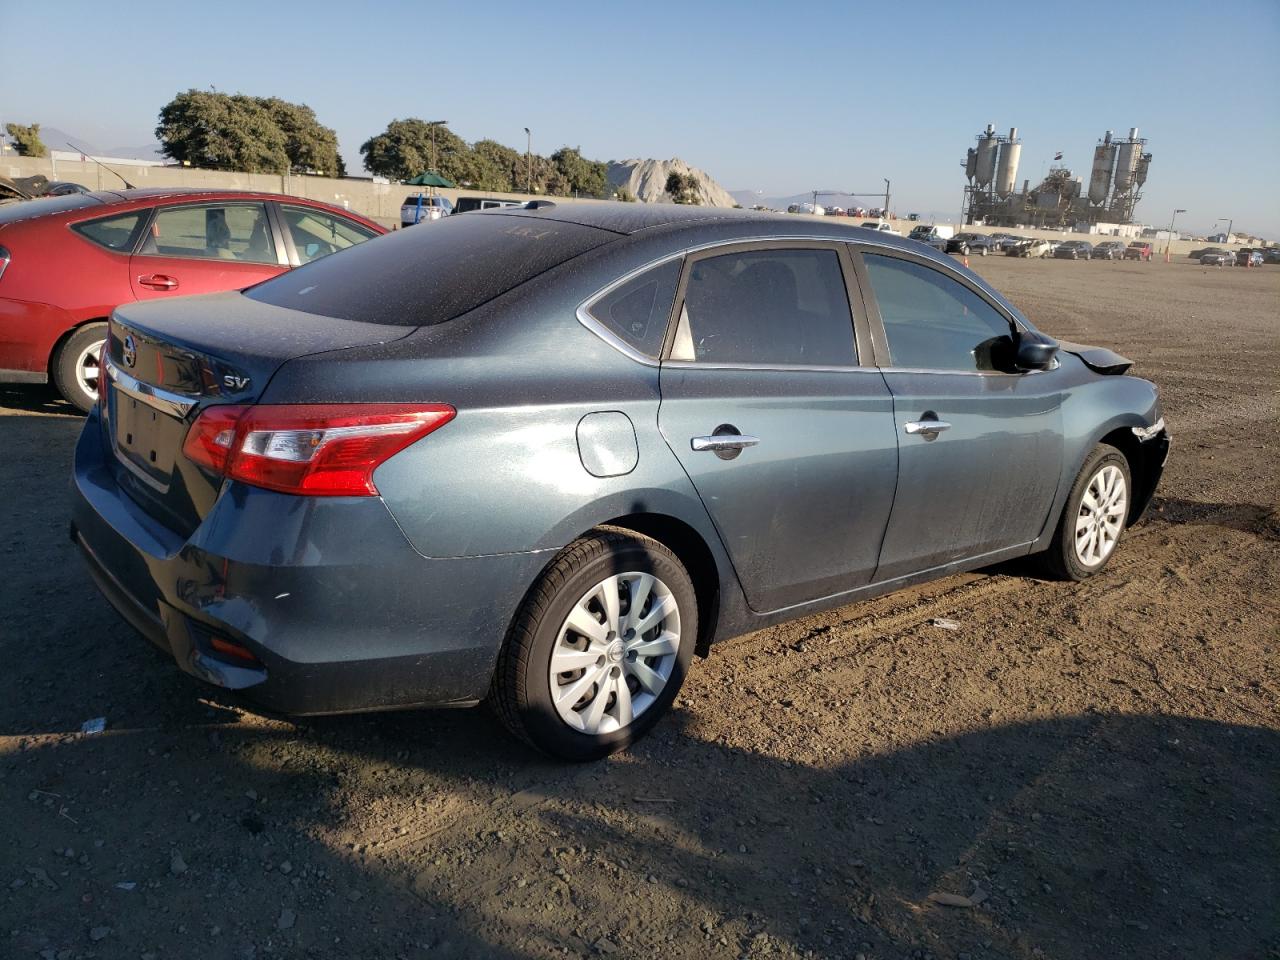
{"points": [[521, 692], [1060, 562], [66, 377]]}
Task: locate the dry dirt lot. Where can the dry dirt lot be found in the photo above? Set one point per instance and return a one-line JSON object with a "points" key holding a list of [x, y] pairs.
{"points": [[1093, 769]]}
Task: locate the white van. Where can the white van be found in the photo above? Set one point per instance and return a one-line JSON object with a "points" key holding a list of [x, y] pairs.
{"points": [[433, 208]]}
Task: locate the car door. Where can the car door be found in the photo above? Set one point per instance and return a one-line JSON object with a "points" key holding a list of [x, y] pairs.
{"points": [[205, 248], [788, 440], [980, 446]]}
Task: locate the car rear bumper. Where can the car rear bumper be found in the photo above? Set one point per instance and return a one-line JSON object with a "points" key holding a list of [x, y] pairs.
{"points": [[338, 610]]}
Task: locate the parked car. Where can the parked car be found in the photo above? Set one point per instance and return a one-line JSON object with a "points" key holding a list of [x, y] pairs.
{"points": [[1221, 258], [1109, 250], [472, 461], [967, 243], [1248, 258], [1031, 247], [932, 235], [1139, 250], [418, 208], [1005, 241], [471, 204], [1197, 254], [880, 226], [66, 261], [1271, 255], [1074, 250]]}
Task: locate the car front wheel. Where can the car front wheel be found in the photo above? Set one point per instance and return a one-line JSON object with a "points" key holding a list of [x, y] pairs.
{"points": [[75, 368], [1093, 519], [600, 647]]}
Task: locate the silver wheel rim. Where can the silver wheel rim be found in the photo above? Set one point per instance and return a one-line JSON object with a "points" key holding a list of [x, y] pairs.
{"points": [[614, 653], [1101, 516], [87, 369]]}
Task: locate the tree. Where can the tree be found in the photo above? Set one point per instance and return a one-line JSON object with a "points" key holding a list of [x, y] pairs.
{"points": [[404, 150], [26, 140], [683, 188], [223, 131], [497, 167], [575, 175], [311, 146], [624, 195]]}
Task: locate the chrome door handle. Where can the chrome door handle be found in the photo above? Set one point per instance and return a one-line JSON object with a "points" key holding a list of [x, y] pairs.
{"points": [[723, 441], [926, 428]]}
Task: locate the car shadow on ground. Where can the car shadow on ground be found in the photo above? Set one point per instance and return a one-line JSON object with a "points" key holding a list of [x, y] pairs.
{"points": [[192, 828]]}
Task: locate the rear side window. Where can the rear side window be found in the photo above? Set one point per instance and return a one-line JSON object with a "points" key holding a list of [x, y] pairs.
{"points": [[768, 306], [933, 322], [115, 233], [317, 234], [237, 231], [418, 277], [636, 312]]}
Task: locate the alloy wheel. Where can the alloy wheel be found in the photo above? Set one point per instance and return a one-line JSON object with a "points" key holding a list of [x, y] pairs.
{"points": [[614, 653], [87, 370], [1101, 516]]}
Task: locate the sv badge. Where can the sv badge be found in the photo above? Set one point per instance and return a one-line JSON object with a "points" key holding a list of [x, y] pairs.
{"points": [[234, 382]]}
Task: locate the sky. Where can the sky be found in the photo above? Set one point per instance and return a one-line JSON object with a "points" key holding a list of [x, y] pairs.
{"points": [[780, 98]]}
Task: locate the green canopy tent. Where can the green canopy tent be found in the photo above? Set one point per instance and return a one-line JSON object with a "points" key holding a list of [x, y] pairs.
{"points": [[427, 179]]}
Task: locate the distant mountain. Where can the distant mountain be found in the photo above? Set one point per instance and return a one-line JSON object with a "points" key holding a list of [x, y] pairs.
{"points": [[646, 180], [56, 139]]}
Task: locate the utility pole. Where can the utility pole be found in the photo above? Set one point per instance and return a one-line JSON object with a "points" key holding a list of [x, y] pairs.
{"points": [[885, 212], [433, 124], [1169, 239], [528, 158]]}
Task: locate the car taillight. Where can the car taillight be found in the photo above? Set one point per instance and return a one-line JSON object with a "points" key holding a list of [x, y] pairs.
{"points": [[322, 450]]}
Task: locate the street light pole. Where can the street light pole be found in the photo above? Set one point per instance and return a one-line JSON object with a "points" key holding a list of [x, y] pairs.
{"points": [[1168, 240], [433, 124], [528, 161], [885, 212]]}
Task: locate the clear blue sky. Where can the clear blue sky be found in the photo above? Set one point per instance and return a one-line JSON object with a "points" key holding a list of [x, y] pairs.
{"points": [[776, 97]]}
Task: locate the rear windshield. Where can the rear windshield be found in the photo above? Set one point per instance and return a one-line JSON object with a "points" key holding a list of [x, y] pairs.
{"points": [[419, 277], [26, 209]]}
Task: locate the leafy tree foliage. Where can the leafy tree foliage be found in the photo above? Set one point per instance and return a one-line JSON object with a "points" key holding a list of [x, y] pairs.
{"points": [[224, 131], [683, 188], [574, 175], [26, 140], [405, 150]]}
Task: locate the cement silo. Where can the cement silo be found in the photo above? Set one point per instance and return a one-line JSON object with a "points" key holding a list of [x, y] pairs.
{"points": [[1104, 158], [1127, 161], [1140, 171], [985, 169], [1007, 168], [971, 164]]}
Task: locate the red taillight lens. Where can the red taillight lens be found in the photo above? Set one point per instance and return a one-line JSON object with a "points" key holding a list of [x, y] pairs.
{"points": [[323, 450]]}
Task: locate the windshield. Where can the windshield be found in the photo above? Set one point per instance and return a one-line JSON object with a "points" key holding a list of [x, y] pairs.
{"points": [[417, 277]]}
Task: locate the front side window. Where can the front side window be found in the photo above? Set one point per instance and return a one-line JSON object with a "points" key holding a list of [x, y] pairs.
{"points": [[772, 306], [636, 312], [213, 232], [933, 322], [115, 233], [317, 234]]}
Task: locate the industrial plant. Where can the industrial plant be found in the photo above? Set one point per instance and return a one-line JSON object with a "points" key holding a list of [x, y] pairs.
{"points": [[1060, 201]]}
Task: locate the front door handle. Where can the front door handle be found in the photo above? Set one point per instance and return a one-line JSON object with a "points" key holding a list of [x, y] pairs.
{"points": [[926, 428], [723, 442], [158, 281]]}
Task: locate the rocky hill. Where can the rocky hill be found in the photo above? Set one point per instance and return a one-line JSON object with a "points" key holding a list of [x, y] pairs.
{"points": [[647, 180]]}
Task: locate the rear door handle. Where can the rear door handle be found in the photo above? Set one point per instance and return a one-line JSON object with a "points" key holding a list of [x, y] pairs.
{"points": [[724, 441], [926, 428], [158, 281]]}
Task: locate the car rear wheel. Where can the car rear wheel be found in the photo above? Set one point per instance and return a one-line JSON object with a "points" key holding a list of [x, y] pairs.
{"points": [[600, 647], [1093, 519], [75, 368]]}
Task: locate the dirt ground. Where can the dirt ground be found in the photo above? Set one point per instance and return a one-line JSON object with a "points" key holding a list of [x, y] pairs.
{"points": [[1091, 771]]}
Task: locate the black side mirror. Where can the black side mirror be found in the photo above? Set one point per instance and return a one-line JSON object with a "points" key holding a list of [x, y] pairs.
{"points": [[1035, 351]]}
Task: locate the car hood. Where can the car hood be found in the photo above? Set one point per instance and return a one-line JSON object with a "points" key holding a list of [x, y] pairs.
{"points": [[1098, 359]]}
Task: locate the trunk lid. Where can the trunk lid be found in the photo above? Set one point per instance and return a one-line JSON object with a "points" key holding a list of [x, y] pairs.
{"points": [[170, 360]]}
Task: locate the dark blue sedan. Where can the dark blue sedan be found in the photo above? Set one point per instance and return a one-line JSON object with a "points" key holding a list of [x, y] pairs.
{"points": [[543, 456]]}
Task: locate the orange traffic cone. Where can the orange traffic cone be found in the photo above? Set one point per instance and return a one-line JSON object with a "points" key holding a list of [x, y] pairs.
{"points": [[966, 260]]}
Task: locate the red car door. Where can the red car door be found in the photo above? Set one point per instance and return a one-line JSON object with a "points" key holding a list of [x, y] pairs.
{"points": [[206, 248]]}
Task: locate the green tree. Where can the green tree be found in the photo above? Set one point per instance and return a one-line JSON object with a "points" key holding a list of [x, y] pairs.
{"points": [[26, 140], [311, 146], [624, 195], [575, 175], [404, 150], [497, 167], [222, 131], [682, 188]]}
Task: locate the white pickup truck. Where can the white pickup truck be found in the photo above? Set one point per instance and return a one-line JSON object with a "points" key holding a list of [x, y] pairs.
{"points": [[880, 226]]}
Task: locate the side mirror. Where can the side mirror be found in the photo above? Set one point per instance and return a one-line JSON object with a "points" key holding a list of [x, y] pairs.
{"points": [[1035, 351]]}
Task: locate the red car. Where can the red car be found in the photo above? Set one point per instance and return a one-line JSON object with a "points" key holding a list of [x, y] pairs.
{"points": [[1139, 251], [65, 262]]}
